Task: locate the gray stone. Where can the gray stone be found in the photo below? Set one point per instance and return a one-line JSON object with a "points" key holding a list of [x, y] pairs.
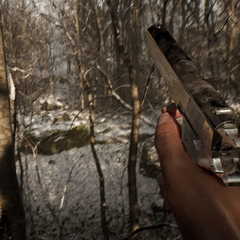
{"points": [[149, 164]]}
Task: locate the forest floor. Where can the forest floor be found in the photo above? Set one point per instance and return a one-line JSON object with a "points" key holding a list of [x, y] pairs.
{"points": [[61, 191]]}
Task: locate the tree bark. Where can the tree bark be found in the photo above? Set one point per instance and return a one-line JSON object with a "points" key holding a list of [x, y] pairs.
{"points": [[76, 14], [183, 24], [208, 8], [172, 16], [99, 170], [164, 12], [92, 106], [10, 196], [230, 77], [132, 185]]}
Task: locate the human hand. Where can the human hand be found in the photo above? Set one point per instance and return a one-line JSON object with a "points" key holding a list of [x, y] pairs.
{"points": [[202, 205]]}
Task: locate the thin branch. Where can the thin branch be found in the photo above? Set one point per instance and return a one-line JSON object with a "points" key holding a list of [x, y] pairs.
{"points": [[150, 227], [110, 87], [114, 94], [44, 194], [121, 185], [179, 237], [223, 26], [63, 196], [65, 188], [116, 30], [146, 89], [122, 86]]}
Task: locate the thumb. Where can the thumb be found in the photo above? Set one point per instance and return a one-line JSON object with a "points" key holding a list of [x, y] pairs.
{"points": [[167, 139]]}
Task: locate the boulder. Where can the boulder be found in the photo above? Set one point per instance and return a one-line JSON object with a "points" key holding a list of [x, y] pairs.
{"points": [[63, 118], [149, 164]]}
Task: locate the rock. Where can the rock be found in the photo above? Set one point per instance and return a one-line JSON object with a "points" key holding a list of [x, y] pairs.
{"points": [[49, 107], [149, 164], [52, 107], [77, 136], [44, 106], [63, 118]]}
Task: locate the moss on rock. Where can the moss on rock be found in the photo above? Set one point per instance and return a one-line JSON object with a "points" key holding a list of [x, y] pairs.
{"points": [[60, 141]]}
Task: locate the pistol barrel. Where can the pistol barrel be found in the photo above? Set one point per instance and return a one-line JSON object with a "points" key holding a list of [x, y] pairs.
{"points": [[210, 129]]}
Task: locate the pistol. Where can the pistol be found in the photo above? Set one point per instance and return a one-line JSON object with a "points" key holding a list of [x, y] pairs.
{"points": [[210, 128]]}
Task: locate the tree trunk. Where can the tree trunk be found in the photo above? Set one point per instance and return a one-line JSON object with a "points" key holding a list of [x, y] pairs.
{"points": [[172, 16], [132, 184], [76, 9], [10, 196], [183, 24], [230, 77], [99, 170], [132, 160], [210, 35], [164, 12]]}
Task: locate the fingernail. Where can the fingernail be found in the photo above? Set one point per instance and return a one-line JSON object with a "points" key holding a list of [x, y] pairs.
{"points": [[163, 118], [164, 109]]}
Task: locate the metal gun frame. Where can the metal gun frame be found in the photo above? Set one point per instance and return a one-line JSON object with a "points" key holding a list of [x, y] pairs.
{"points": [[210, 129]]}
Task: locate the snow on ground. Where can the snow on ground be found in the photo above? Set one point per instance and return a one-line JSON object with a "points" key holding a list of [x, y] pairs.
{"points": [[61, 192], [47, 122]]}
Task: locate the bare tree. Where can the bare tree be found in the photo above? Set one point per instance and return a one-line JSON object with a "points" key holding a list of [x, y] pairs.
{"points": [[133, 202], [230, 75], [105, 60], [10, 196]]}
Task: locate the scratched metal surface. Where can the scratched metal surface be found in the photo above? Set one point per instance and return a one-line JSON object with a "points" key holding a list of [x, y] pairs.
{"points": [[210, 128], [203, 93]]}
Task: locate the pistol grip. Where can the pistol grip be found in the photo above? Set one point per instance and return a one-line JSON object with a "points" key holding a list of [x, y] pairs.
{"points": [[194, 145]]}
